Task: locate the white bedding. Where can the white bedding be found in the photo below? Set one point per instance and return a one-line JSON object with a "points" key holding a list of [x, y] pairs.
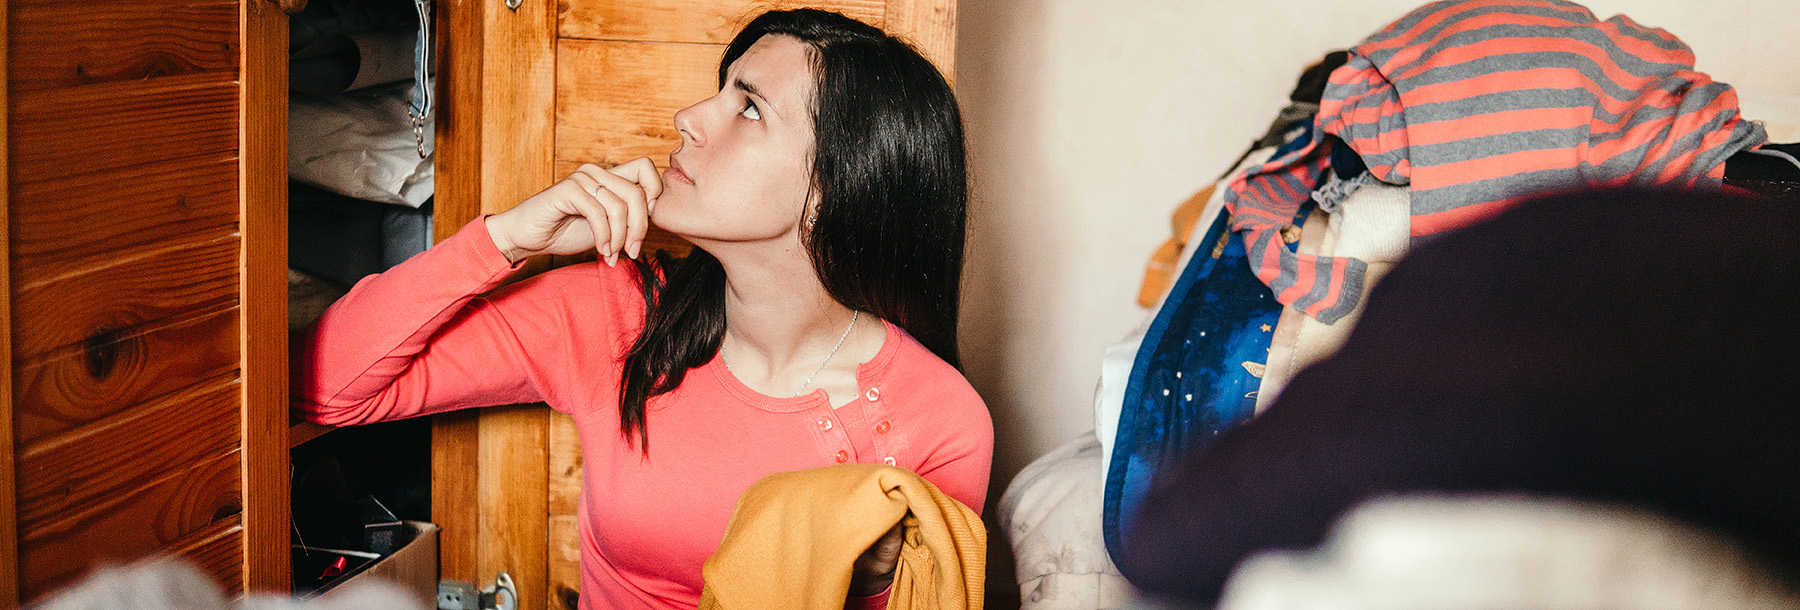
{"points": [[1051, 513]]}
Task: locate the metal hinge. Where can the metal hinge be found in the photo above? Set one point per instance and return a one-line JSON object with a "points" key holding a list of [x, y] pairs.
{"points": [[459, 595]]}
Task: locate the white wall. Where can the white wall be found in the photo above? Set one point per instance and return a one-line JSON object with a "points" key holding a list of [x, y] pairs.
{"points": [[1089, 120]]}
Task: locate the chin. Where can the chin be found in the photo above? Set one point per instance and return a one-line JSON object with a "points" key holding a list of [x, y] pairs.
{"points": [[668, 217]]}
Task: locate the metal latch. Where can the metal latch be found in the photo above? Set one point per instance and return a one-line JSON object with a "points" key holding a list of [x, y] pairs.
{"points": [[421, 106], [459, 595]]}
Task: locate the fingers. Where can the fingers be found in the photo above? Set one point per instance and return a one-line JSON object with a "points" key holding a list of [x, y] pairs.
{"points": [[874, 569], [604, 213], [630, 218], [641, 171], [880, 557], [888, 548]]}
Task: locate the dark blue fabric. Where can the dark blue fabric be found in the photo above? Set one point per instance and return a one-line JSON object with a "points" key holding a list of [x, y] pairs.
{"points": [[1196, 373]]}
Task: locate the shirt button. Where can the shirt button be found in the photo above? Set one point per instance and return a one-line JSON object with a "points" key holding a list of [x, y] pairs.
{"points": [[843, 456], [824, 424], [887, 460], [882, 427], [873, 394]]}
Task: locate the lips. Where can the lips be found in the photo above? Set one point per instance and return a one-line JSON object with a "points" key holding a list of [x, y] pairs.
{"points": [[674, 173]]}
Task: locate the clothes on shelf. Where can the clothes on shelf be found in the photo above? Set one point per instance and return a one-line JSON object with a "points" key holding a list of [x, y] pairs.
{"points": [[342, 239], [357, 71], [361, 144], [360, 174]]}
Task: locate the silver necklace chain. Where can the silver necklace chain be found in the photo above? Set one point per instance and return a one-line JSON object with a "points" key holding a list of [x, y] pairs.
{"points": [[809, 378]]}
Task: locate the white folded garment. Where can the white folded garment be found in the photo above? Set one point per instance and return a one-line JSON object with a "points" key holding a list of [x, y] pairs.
{"points": [[361, 144]]}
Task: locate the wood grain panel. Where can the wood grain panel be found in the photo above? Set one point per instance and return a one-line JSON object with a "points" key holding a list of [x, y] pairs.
{"points": [[72, 386], [565, 562], [565, 465], [565, 167], [458, 175], [264, 341], [88, 464], [456, 436], [117, 296], [121, 213], [455, 475], [616, 101], [513, 496], [9, 536], [930, 25], [497, 87], [217, 550], [301, 432], [97, 41], [130, 525], [111, 126], [692, 21]]}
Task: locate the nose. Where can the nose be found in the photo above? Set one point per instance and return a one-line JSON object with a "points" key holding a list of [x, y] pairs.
{"points": [[687, 124]]}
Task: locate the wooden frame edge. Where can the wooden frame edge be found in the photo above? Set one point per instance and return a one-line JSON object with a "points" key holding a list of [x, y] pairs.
{"points": [[490, 468], [458, 26], [9, 522], [262, 264]]}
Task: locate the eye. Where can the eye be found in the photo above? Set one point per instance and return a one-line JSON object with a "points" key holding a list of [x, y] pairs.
{"points": [[750, 111]]}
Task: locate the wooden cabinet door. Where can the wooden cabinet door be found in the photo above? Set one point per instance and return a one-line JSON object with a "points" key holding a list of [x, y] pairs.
{"points": [[528, 96], [146, 255]]}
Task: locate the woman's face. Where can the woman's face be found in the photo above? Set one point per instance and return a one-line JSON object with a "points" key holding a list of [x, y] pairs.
{"points": [[742, 172]]}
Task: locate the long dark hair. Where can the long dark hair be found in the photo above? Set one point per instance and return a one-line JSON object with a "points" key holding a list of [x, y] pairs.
{"points": [[893, 192]]}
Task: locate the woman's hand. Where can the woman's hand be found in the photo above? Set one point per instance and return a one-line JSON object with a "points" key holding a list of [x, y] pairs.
{"points": [[874, 569], [605, 210]]}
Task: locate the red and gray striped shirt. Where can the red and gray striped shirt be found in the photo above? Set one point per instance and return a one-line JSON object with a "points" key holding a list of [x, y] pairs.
{"points": [[1476, 102]]}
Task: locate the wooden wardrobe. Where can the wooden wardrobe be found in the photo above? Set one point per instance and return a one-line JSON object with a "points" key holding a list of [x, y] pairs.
{"points": [[146, 237]]}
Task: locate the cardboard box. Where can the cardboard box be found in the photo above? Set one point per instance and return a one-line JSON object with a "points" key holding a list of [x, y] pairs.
{"points": [[414, 566]]}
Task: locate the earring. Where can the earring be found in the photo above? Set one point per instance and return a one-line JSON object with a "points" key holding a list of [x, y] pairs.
{"points": [[812, 221]]}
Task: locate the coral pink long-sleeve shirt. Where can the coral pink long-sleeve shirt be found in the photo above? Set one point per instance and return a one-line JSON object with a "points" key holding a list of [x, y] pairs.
{"points": [[417, 340]]}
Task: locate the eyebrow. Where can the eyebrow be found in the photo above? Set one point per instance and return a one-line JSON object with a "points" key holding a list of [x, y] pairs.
{"points": [[750, 89]]}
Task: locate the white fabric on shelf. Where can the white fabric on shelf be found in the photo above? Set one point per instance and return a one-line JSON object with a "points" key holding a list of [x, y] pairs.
{"points": [[361, 145], [1051, 515]]}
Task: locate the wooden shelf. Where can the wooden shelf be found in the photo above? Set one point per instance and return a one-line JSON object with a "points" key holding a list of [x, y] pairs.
{"points": [[301, 432]]}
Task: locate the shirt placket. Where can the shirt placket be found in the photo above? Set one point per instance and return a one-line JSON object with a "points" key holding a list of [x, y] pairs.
{"points": [[876, 425], [834, 440]]}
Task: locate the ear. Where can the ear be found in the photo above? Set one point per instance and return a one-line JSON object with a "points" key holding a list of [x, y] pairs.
{"points": [[810, 214]]}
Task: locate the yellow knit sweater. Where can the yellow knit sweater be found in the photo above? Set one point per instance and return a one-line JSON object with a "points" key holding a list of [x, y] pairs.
{"points": [[794, 535]]}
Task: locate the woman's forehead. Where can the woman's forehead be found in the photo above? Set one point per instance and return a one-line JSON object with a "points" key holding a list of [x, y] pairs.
{"points": [[779, 68]]}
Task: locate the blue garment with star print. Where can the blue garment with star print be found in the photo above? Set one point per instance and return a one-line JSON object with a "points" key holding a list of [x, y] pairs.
{"points": [[1197, 372]]}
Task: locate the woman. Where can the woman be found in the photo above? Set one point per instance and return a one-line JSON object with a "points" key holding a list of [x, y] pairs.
{"points": [[824, 190]]}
